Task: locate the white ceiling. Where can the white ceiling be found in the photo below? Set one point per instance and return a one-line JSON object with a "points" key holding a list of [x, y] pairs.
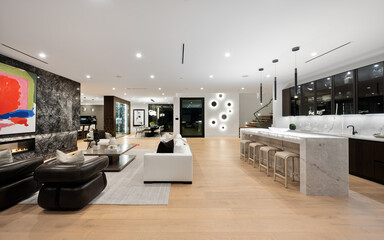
{"points": [[102, 37]]}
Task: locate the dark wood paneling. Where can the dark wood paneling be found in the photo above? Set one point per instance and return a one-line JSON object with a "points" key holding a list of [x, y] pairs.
{"points": [[366, 159], [286, 102], [110, 113], [352, 156]]}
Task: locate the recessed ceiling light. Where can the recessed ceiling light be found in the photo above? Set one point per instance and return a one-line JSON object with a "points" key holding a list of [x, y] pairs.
{"points": [[138, 55], [210, 76], [88, 76], [163, 94], [313, 54], [159, 88], [201, 88], [227, 54], [42, 55], [152, 76], [125, 94], [268, 75], [242, 88], [113, 88]]}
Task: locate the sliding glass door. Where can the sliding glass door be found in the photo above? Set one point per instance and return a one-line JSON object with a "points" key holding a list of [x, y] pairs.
{"points": [[192, 117]]}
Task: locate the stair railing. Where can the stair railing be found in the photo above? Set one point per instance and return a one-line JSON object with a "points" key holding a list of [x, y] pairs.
{"points": [[256, 114]]}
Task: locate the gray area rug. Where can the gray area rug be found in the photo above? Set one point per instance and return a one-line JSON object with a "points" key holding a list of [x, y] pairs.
{"points": [[127, 187]]}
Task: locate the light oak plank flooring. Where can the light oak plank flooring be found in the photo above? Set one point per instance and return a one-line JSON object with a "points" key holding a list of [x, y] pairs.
{"points": [[228, 199]]}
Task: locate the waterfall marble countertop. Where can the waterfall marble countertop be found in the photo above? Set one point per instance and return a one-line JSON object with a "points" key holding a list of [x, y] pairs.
{"points": [[284, 134], [297, 135], [323, 159]]}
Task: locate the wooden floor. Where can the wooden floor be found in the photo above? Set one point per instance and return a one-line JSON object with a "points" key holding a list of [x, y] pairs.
{"points": [[228, 199]]}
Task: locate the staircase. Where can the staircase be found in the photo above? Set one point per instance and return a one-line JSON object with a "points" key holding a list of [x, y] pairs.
{"points": [[263, 121]]}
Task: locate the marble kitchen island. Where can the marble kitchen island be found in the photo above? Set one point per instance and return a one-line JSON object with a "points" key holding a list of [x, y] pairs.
{"points": [[324, 159]]}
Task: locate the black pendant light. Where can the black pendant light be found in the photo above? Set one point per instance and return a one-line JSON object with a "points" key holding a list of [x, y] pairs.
{"points": [[275, 83], [295, 49], [261, 85]]}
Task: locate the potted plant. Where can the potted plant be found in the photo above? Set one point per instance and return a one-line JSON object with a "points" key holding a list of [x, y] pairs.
{"points": [[292, 126]]}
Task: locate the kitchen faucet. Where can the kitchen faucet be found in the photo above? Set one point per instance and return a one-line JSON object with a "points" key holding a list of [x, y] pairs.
{"points": [[353, 129]]}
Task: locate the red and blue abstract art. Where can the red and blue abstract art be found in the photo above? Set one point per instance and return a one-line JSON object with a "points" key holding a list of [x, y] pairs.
{"points": [[17, 100]]}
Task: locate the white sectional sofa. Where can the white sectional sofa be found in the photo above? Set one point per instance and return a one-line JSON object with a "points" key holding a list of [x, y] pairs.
{"points": [[174, 167]]}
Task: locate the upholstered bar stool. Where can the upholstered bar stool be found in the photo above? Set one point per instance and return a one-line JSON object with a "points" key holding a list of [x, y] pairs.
{"points": [[253, 152], [264, 155], [243, 148], [284, 155]]}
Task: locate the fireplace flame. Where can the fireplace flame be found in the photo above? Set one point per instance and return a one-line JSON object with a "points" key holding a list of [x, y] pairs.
{"points": [[19, 150]]}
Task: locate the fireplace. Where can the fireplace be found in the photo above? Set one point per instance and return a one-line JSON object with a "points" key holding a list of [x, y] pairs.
{"points": [[19, 146]]}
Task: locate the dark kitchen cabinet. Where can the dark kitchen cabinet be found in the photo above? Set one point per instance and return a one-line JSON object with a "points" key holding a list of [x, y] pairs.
{"points": [[366, 159], [308, 105], [286, 102], [370, 88], [344, 93], [295, 101], [324, 96]]}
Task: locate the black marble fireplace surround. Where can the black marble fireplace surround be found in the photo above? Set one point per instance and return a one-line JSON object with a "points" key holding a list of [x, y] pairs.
{"points": [[57, 113]]}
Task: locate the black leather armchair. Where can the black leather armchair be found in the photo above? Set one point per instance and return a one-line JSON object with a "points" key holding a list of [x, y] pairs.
{"points": [[70, 186], [17, 182]]}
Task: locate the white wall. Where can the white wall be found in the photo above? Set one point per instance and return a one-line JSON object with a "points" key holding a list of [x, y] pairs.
{"points": [[232, 122], [250, 103], [336, 124], [135, 105], [98, 112]]}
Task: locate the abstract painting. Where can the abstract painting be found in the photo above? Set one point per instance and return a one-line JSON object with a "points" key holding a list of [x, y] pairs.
{"points": [[17, 100], [138, 117]]}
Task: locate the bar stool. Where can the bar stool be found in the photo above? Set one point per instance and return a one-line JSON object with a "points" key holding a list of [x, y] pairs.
{"points": [[284, 155], [253, 152], [243, 147], [264, 155]]}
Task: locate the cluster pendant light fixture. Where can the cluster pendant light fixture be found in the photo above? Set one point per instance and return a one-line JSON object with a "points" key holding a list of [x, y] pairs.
{"points": [[261, 85], [275, 82], [295, 49]]}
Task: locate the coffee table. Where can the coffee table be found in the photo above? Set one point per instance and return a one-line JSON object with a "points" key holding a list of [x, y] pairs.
{"points": [[117, 161]]}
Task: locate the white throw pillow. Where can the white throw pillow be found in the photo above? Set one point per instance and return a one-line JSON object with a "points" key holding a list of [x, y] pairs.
{"points": [[5, 156], [108, 135], [178, 136], [179, 147], [168, 137], [65, 159], [112, 141]]}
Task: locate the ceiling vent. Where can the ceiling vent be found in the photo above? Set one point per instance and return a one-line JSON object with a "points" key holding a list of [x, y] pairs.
{"points": [[345, 44], [26, 54]]}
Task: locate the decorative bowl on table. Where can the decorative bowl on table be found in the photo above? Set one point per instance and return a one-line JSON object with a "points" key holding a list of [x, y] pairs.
{"points": [[292, 126]]}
